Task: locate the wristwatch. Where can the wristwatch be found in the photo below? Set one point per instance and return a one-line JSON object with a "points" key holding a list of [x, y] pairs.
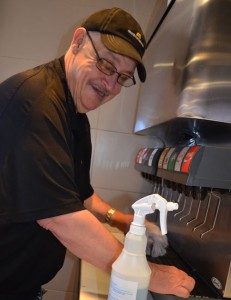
{"points": [[110, 213]]}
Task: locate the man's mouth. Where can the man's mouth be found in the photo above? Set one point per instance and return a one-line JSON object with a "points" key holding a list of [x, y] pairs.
{"points": [[101, 92]]}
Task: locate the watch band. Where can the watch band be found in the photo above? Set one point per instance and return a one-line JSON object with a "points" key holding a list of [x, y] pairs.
{"points": [[110, 213]]}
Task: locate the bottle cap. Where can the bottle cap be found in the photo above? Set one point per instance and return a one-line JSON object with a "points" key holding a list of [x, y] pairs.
{"points": [[137, 229]]}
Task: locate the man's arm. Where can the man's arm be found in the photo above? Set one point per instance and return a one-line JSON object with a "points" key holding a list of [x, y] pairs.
{"points": [[82, 234], [157, 243], [99, 208], [164, 279]]}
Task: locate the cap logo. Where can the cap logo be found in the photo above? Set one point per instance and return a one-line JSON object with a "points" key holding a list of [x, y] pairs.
{"points": [[137, 36]]}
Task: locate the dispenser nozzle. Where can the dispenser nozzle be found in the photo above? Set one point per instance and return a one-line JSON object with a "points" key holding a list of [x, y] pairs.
{"points": [[147, 205]]}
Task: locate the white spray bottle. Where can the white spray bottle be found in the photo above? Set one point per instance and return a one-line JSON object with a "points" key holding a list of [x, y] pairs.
{"points": [[130, 272]]}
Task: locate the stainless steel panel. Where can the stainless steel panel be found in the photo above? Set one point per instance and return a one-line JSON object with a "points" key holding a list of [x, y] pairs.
{"points": [[199, 234], [227, 291], [189, 67]]}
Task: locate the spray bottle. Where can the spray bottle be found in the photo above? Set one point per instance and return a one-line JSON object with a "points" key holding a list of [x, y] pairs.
{"points": [[130, 272]]}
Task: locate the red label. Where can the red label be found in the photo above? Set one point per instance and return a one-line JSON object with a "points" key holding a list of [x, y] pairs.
{"points": [[146, 155], [188, 158], [139, 155]]}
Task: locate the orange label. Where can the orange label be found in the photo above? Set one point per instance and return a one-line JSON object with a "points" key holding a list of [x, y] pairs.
{"points": [[188, 158], [162, 156]]}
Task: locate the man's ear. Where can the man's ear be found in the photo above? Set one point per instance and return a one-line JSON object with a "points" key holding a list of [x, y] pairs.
{"points": [[78, 39]]}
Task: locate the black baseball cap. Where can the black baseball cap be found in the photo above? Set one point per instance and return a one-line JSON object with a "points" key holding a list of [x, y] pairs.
{"points": [[120, 33]]}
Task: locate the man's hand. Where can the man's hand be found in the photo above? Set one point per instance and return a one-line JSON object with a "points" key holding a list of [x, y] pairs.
{"points": [[157, 243], [170, 280]]}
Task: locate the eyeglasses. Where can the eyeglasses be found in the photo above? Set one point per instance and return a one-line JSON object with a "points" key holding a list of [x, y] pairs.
{"points": [[109, 69]]}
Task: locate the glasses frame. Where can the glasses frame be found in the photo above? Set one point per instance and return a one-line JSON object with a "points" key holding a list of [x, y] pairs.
{"points": [[128, 80]]}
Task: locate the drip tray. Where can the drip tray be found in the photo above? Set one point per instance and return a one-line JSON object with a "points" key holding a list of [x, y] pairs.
{"points": [[202, 289]]}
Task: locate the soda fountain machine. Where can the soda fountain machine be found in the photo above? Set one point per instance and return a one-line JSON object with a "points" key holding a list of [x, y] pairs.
{"points": [[198, 178], [185, 105]]}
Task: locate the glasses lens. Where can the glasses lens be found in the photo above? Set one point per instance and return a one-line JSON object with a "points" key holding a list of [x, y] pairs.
{"points": [[106, 67], [109, 69], [125, 80]]}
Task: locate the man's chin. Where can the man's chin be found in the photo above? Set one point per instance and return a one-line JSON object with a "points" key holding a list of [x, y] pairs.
{"points": [[89, 108]]}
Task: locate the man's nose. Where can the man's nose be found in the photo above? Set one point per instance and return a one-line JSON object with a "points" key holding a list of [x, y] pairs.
{"points": [[112, 82]]}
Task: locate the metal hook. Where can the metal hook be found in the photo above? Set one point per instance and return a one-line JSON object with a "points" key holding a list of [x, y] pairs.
{"points": [[215, 219], [197, 214], [206, 214], [179, 199], [189, 211]]}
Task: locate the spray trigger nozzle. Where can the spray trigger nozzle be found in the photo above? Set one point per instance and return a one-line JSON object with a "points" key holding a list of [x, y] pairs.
{"points": [[148, 205]]}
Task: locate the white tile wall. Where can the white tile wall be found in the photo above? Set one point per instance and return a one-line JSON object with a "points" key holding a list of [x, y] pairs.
{"points": [[114, 160], [119, 199], [33, 32], [119, 114], [12, 65]]}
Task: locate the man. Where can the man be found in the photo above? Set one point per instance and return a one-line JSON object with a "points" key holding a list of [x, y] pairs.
{"points": [[47, 204]]}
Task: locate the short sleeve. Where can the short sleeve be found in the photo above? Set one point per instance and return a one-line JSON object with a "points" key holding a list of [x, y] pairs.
{"points": [[38, 169]]}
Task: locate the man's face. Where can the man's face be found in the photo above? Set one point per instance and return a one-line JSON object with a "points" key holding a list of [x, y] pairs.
{"points": [[90, 87]]}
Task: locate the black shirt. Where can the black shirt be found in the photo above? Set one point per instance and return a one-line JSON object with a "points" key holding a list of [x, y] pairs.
{"points": [[45, 152]]}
